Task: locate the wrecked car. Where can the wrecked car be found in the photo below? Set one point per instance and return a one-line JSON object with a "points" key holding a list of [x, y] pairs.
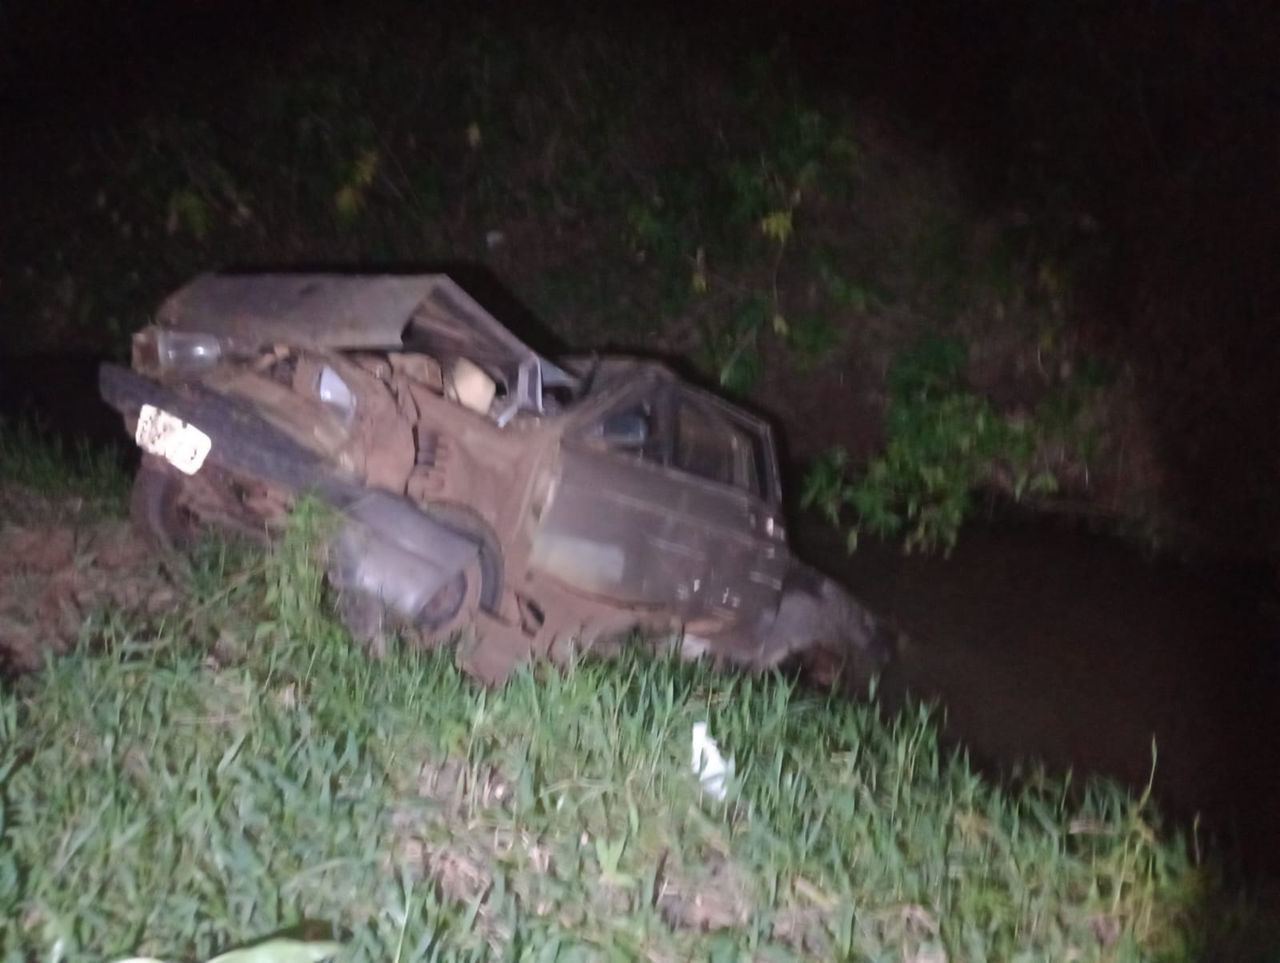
{"points": [[544, 507]]}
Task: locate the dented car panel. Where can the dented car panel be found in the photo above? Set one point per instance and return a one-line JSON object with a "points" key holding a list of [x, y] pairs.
{"points": [[427, 313], [545, 506], [387, 549], [637, 519]]}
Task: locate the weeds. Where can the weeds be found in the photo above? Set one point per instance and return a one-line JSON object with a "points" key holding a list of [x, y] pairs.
{"points": [[161, 800], [34, 457], [944, 441]]}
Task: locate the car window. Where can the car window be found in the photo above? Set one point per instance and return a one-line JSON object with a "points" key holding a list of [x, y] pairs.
{"points": [[713, 447], [636, 428]]}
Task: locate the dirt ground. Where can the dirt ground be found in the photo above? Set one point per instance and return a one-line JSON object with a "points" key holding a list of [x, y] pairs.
{"points": [[63, 564]]}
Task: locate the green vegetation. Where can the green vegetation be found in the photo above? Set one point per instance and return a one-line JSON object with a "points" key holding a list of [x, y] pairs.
{"points": [[239, 768], [945, 441], [34, 457], [637, 194], [560, 161]]}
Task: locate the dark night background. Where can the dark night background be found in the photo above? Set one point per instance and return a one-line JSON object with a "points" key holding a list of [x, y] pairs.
{"points": [[1140, 142], [1157, 122]]}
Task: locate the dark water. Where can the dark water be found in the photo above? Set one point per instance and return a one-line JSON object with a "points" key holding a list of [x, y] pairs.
{"points": [[1046, 642]]}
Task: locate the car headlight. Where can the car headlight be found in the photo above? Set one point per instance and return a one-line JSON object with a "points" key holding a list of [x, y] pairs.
{"points": [[167, 349], [334, 391]]}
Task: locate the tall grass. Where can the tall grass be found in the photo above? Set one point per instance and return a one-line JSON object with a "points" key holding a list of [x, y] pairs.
{"points": [[241, 769], [32, 456]]}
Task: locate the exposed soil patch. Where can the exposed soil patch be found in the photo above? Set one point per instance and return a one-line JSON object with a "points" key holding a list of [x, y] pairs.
{"points": [[61, 566]]}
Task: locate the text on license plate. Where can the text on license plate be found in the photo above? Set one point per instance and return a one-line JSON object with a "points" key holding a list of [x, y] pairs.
{"points": [[183, 446]]}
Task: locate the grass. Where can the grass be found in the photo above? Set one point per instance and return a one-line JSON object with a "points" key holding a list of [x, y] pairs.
{"points": [[37, 459], [239, 769]]}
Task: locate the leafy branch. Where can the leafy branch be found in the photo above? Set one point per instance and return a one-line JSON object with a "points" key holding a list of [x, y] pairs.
{"points": [[945, 441]]}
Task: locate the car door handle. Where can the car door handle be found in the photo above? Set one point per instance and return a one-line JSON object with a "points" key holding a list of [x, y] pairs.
{"points": [[764, 524]]}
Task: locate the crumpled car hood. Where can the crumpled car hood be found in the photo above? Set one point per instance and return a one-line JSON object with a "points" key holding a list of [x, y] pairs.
{"points": [[350, 311]]}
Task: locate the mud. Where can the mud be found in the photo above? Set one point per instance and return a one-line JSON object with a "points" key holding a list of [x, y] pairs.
{"points": [[63, 565]]}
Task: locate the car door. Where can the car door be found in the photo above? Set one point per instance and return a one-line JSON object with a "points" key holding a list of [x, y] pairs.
{"points": [[670, 499], [731, 496], [611, 527]]}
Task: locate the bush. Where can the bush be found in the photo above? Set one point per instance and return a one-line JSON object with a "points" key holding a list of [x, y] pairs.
{"points": [[944, 442]]}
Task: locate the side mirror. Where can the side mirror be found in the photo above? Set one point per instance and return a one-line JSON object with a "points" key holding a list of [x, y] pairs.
{"points": [[625, 429]]}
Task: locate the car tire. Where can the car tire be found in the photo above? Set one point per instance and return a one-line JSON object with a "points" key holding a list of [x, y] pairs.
{"points": [[489, 576], [373, 627], [450, 611], [453, 608], [156, 509]]}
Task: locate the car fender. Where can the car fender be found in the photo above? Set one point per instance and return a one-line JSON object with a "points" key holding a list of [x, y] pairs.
{"points": [[816, 611], [385, 547]]}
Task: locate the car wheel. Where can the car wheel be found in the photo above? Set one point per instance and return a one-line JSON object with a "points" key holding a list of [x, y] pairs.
{"points": [[488, 580], [365, 618], [450, 610], [157, 510], [373, 627]]}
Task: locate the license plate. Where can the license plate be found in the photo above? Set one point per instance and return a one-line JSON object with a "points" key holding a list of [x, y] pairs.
{"points": [[183, 446]]}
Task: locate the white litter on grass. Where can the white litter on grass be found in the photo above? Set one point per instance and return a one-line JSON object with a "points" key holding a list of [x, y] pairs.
{"points": [[279, 950], [711, 768]]}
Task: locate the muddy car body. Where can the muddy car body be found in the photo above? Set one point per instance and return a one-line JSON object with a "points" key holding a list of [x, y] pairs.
{"points": [[545, 506]]}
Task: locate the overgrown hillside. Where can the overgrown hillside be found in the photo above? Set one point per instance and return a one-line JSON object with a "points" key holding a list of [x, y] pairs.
{"points": [[635, 189]]}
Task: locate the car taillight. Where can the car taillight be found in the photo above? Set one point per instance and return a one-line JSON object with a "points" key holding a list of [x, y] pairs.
{"points": [[167, 350]]}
